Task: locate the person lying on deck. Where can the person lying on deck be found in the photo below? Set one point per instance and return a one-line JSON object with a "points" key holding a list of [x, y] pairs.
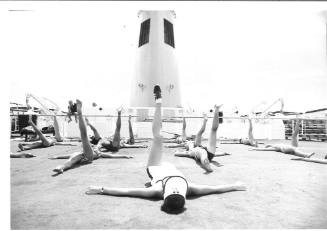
{"points": [[183, 142], [246, 141], [203, 156], [179, 139], [21, 155], [314, 160], [286, 148], [114, 143], [44, 142], [167, 182], [88, 154]]}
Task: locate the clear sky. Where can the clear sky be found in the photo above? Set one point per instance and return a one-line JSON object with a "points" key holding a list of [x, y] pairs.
{"points": [[235, 53]]}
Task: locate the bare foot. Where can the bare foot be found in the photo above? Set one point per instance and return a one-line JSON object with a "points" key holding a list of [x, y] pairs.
{"points": [[205, 116], [120, 109], [87, 121], [217, 108], [59, 169], [94, 190]]}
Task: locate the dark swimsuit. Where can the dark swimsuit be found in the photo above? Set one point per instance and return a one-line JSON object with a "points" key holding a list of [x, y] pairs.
{"points": [[210, 154], [73, 108], [94, 140], [109, 146], [165, 179]]}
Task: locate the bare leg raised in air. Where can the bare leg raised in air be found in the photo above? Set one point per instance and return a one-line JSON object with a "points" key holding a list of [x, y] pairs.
{"points": [[56, 128], [87, 153], [198, 137], [44, 142], [213, 132], [287, 149], [167, 182]]}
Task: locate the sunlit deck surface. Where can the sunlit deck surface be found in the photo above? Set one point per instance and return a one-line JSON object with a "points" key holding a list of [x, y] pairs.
{"points": [[282, 193]]}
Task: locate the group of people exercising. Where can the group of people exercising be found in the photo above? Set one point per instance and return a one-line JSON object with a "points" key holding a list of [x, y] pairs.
{"points": [[166, 181]]}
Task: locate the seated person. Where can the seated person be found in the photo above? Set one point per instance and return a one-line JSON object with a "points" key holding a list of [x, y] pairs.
{"points": [[72, 110]]}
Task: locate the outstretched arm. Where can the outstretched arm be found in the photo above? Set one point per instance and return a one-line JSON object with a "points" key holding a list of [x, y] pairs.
{"points": [[134, 145], [263, 149], [184, 154], [65, 144], [315, 160], [199, 190], [221, 154], [59, 157], [173, 140], [230, 142], [21, 155], [151, 192], [107, 155], [175, 146]]}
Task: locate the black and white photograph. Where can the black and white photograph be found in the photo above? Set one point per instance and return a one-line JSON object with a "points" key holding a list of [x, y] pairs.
{"points": [[164, 114]]}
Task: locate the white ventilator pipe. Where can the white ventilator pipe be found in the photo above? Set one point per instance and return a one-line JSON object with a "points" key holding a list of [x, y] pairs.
{"points": [[156, 61]]}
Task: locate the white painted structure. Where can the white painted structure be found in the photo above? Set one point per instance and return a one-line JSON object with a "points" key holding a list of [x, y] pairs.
{"points": [[156, 61]]}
